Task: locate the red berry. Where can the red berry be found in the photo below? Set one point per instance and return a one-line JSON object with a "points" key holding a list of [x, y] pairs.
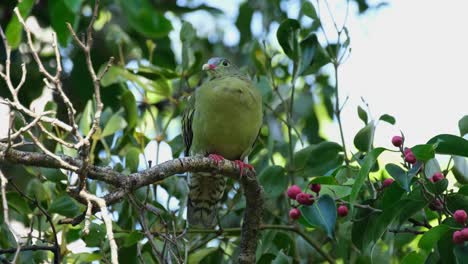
{"points": [[293, 191], [460, 216], [464, 233], [410, 158], [315, 187], [407, 150], [294, 213], [397, 141], [305, 198], [387, 182], [437, 177], [342, 210], [457, 237]]}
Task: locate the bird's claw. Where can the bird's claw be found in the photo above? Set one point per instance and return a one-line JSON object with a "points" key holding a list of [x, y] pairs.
{"points": [[243, 165], [216, 158]]}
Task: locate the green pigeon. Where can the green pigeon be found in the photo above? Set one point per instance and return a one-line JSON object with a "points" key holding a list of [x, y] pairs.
{"points": [[222, 120]]}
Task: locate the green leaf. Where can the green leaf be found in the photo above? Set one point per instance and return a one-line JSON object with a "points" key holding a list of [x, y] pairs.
{"points": [[308, 48], [200, 254], [460, 169], [132, 159], [145, 19], [362, 115], [431, 237], [152, 72], [287, 38], [131, 239], [318, 159], [450, 144], [14, 29], [388, 118], [64, 205], [187, 35], [309, 10], [367, 165], [400, 175], [130, 106], [115, 123], [18, 203], [64, 12], [463, 125], [96, 235], [423, 152], [363, 139], [461, 254], [86, 118], [117, 74], [273, 180], [281, 258], [445, 248], [414, 258], [321, 214]]}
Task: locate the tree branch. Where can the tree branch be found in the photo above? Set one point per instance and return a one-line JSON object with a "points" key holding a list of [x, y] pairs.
{"points": [[125, 184]]}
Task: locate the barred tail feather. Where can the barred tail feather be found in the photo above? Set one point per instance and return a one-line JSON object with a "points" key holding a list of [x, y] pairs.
{"points": [[206, 190]]}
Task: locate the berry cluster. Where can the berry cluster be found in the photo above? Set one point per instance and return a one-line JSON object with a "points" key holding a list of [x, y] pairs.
{"points": [[460, 236], [295, 193], [408, 155]]}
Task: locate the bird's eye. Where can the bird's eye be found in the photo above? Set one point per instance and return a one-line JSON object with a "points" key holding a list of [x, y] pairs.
{"points": [[225, 63]]}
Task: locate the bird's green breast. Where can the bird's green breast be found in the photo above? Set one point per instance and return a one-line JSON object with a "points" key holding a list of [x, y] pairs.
{"points": [[227, 118]]}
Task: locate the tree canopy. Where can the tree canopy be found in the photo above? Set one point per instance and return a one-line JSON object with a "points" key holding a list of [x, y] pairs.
{"points": [[92, 167]]}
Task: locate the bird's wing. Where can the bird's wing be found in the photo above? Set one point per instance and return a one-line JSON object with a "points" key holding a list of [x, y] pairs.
{"points": [[187, 118]]}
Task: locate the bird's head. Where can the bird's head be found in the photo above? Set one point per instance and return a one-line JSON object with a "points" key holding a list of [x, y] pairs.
{"points": [[218, 66]]}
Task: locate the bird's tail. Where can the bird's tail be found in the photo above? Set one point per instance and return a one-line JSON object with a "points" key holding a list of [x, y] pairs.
{"points": [[206, 190]]}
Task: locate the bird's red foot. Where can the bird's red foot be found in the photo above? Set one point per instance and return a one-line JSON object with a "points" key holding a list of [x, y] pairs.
{"points": [[243, 165], [216, 158]]}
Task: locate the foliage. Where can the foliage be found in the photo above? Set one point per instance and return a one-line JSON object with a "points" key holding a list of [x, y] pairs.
{"points": [[144, 94]]}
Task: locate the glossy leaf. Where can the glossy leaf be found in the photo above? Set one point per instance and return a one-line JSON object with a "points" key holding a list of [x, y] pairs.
{"points": [[463, 125], [432, 236], [362, 115], [147, 21], [400, 175], [14, 29], [423, 152], [321, 214], [287, 37], [363, 139], [274, 181], [318, 159], [115, 123], [64, 205], [367, 165], [450, 144], [388, 118], [309, 10]]}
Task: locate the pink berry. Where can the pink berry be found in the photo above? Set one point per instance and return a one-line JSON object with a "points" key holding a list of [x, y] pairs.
{"points": [[407, 150], [294, 213], [464, 233], [387, 182], [293, 191], [460, 216], [315, 187], [457, 237], [437, 177], [342, 210], [397, 141], [410, 158], [305, 198]]}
